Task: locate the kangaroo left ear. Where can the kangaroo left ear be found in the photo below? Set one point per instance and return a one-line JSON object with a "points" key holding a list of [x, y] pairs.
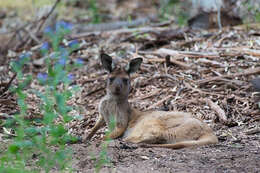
{"points": [[107, 62], [133, 65]]}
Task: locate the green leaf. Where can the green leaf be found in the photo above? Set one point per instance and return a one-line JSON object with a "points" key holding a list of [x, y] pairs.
{"points": [[49, 117], [13, 148], [58, 131]]}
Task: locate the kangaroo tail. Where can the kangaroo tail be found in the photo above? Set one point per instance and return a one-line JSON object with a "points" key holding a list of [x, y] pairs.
{"points": [[206, 139]]}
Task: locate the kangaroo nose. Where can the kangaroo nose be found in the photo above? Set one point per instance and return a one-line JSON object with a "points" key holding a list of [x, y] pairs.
{"points": [[118, 84]]}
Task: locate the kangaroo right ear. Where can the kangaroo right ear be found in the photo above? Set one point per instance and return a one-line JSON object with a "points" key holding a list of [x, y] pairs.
{"points": [[133, 65], [106, 62]]}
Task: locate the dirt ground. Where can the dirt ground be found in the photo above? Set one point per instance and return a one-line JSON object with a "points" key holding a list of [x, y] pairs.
{"points": [[236, 152]]}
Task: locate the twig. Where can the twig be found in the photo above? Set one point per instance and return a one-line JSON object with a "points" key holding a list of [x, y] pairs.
{"points": [[180, 54], [168, 76], [32, 36], [112, 25], [245, 73], [8, 133], [44, 18], [253, 131], [159, 102], [156, 92], [221, 114], [200, 91], [8, 84], [94, 91], [114, 32]]}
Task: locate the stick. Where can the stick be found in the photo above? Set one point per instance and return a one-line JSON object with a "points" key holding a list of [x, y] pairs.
{"points": [[221, 114], [8, 84], [247, 72], [94, 91], [180, 54], [252, 132], [42, 20], [159, 102], [147, 96]]}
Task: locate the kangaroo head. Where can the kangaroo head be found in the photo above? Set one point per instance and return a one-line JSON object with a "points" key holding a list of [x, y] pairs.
{"points": [[118, 81]]}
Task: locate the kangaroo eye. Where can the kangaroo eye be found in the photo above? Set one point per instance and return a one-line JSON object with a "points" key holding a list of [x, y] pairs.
{"points": [[125, 80], [111, 79]]}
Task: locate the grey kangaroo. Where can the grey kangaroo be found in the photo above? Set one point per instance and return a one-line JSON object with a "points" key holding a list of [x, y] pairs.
{"points": [[153, 128]]}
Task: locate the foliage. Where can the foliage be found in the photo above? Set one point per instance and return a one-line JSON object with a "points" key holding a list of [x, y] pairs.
{"points": [[169, 8], [103, 156], [43, 147], [253, 10], [94, 11]]}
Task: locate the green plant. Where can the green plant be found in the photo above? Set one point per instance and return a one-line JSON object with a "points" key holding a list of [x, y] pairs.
{"points": [[170, 8], [94, 10], [103, 158], [43, 147], [253, 11]]}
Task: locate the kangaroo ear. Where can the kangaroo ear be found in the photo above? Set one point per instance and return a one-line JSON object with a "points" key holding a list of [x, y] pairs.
{"points": [[107, 62], [133, 65]]}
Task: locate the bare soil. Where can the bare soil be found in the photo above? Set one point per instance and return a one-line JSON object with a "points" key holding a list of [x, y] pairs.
{"points": [[236, 152]]}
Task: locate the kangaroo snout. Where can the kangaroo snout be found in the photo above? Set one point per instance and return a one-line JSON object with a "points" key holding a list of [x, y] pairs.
{"points": [[117, 86]]}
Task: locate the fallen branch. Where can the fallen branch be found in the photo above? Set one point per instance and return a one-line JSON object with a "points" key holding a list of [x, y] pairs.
{"points": [[112, 25], [247, 72], [170, 61], [113, 32], [253, 131], [175, 55]]}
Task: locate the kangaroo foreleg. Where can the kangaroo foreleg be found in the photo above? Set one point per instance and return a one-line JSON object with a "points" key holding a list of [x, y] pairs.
{"points": [[117, 132], [100, 123]]}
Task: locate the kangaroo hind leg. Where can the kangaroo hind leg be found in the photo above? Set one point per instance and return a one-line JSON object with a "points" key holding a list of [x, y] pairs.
{"points": [[203, 140]]}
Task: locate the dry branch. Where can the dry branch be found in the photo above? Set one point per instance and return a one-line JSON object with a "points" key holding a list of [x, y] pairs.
{"points": [[164, 51], [172, 61], [247, 72], [220, 112], [253, 131], [156, 92]]}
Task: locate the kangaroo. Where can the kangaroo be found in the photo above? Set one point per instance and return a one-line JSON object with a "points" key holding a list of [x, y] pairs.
{"points": [[164, 129]]}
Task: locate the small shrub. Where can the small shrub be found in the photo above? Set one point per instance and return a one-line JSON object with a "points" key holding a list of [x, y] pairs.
{"points": [[43, 147], [103, 158], [170, 8]]}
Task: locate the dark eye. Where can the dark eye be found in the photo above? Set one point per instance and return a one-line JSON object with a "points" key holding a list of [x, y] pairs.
{"points": [[125, 80], [111, 79]]}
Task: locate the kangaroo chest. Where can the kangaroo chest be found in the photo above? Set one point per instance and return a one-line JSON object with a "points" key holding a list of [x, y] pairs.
{"points": [[114, 110]]}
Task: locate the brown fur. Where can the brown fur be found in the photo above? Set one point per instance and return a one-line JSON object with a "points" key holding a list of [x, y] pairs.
{"points": [[153, 128]]}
